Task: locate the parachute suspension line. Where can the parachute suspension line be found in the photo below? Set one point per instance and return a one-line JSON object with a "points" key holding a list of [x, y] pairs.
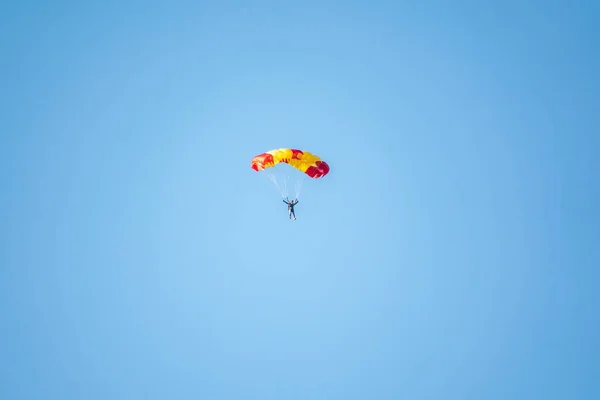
{"points": [[285, 183], [285, 188], [284, 178], [282, 191], [299, 186]]}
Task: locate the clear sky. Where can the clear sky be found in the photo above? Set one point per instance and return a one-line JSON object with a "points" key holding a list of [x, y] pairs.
{"points": [[451, 253]]}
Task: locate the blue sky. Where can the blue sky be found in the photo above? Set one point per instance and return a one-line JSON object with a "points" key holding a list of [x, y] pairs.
{"points": [[452, 251]]}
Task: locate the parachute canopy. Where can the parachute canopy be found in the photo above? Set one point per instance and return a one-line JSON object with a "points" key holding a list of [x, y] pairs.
{"points": [[304, 161]]}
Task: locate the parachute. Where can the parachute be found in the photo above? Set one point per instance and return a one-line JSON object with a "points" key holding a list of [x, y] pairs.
{"points": [[308, 164]]}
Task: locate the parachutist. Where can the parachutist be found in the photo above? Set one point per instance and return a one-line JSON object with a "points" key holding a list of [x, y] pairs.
{"points": [[291, 205]]}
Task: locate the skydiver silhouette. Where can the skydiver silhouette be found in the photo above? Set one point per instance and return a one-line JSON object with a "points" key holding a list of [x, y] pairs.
{"points": [[291, 205]]}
